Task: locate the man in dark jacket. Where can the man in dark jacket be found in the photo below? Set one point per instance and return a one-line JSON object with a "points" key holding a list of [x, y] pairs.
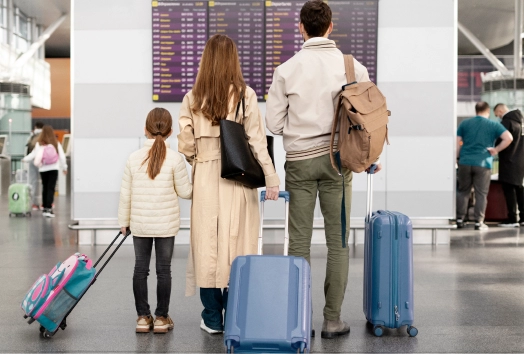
{"points": [[511, 165]]}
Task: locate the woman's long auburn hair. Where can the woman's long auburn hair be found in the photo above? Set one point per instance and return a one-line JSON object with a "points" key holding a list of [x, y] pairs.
{"points": [[219, 80], [159, 125], [47, 136]]}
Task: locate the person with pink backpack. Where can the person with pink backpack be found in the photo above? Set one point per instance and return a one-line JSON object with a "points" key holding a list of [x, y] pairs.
{"points": [[48, 155]]}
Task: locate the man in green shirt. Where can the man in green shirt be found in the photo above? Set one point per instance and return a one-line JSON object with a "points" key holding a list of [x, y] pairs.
{"points": [[475, 150]]}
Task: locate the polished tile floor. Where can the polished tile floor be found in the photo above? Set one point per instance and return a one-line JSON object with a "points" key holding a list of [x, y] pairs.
{"points": [[469, 297]]}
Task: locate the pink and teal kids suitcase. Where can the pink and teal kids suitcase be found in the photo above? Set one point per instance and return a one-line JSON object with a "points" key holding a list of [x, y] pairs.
{"points": [[54, 295]]}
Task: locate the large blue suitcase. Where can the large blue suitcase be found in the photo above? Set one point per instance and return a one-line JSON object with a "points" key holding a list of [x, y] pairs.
{"points": [[388, 269], [269, 306]]}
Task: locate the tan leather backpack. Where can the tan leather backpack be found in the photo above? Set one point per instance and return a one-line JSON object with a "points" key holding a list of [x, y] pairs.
{"points": [[363, 117]]}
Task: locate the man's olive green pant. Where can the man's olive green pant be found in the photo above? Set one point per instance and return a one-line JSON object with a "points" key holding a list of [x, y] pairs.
{"points": [[304, 180]]}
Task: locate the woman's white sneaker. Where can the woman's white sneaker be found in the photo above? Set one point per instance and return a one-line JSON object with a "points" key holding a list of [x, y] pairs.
{"points": [[207, 329]]}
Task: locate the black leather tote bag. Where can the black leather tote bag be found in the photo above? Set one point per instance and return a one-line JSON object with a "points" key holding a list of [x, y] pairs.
{"points": [[238, 162]]}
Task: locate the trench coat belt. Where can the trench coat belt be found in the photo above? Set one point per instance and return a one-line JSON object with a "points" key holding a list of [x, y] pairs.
{"points": [[208, 156]]}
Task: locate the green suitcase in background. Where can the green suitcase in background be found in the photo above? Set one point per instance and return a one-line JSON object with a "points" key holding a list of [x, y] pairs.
{"points": [[19, 199]]}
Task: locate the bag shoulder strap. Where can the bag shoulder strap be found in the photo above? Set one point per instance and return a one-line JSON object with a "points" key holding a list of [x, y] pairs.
{"points": [[350, 69], [243, 107], [333, 132]]}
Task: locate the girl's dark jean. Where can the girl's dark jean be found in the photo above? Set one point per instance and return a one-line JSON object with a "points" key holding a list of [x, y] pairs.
{"points": [[164, 252]]}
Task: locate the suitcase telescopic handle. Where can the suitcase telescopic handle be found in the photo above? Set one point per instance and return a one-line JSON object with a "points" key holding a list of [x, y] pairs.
{"points": [[284, 195], [369, 201], [281, 194]]}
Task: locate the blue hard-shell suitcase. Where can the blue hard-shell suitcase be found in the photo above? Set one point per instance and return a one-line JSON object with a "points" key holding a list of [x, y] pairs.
{"points": [[269, 306], [388, 269]]}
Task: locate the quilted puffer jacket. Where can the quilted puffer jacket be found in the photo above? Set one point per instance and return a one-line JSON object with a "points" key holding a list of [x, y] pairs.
{"points": [[150, 207]]}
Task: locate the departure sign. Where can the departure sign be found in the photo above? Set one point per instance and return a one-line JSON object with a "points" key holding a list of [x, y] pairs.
{"points": [[265, 32], [243, 22]]}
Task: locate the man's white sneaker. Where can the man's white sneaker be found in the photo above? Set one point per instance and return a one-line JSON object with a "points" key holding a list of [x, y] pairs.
{"points": [[207, 329], [480, 226]]}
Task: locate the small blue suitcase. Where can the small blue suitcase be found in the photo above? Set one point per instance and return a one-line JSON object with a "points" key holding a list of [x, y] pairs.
{"points": [[388, 269], [269, 307]]}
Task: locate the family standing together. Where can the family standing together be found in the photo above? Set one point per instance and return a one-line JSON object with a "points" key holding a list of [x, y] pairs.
{"points": [[225, 217]]}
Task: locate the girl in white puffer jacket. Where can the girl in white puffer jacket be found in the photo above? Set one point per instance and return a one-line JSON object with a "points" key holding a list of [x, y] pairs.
{"points": [[154, 177]]}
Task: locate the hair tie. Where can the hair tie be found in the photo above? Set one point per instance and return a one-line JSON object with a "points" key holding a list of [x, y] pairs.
{"points": [[158, 133]]}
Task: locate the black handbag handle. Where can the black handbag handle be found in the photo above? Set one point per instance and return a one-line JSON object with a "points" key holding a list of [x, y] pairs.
{"points": [[243, 108]]}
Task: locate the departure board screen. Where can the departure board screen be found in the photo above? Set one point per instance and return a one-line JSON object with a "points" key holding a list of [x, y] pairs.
{"points": [[265, 32]]}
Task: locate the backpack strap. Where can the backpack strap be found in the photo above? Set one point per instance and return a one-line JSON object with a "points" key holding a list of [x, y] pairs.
{"points": [[333, 132], [349, 64]]}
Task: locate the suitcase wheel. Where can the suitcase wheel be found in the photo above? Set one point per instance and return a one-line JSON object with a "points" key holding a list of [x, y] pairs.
{"points": [[28, 214], [229, 346], [10, 214], [412, 331], [47, 334], [378, 331], [42, 329]]}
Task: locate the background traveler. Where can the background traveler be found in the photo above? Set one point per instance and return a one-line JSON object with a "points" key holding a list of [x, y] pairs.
{"points": [[511, 165], [475, 140], [32, 173], [300, 106], [49, 157], [154, 177], [224, 214]]}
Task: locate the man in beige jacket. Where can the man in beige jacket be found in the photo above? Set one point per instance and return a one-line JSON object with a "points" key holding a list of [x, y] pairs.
{"points": [[300, 106]]}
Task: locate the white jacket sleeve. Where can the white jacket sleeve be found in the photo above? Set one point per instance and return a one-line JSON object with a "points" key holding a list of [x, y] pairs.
{"points": [[277, 105], [361, 72], [183, 187], [32, 154], [39, 155], [124, 205]]}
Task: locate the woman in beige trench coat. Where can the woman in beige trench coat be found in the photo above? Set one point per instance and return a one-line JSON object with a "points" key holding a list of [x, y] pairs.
{"points": [[224, 214]]}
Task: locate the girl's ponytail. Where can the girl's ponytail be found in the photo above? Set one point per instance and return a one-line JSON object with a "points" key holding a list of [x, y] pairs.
{"points": [[158, 124]]}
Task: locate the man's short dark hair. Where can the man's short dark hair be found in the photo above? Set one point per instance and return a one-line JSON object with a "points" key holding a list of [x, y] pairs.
{"points": [[315, 16], [481, 107], [39, 125], [497, 106]]}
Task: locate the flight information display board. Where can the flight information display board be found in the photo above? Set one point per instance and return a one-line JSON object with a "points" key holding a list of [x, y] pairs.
{"points": [[265, 32]]}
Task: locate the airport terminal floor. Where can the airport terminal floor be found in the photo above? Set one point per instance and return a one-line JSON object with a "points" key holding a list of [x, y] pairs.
{"points": [[468, 296]]}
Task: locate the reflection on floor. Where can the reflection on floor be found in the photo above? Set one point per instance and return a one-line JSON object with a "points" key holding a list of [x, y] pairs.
{"points": [[469, 297]]}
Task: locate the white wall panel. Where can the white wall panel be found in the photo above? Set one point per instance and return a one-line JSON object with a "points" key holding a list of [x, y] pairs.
{"points": [[420, 164], [422, 54], [99, 163], [113, 56], [415, 13], [116, 110], [114, 14]]}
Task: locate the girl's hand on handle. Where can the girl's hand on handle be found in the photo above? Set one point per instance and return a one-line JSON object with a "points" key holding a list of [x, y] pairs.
{"points": [[272, 193], [123, 230]]}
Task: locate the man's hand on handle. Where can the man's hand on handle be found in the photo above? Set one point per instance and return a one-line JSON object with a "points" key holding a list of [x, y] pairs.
{"points": [[272, 193], [123, 230], [377, 169]]}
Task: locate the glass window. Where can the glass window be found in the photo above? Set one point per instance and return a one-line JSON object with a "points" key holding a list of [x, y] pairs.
{"points": [[3, 21], [22, 31]]}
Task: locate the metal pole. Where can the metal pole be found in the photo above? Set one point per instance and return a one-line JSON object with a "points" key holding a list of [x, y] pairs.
{"points": [[483, 49], [517, 45]]}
